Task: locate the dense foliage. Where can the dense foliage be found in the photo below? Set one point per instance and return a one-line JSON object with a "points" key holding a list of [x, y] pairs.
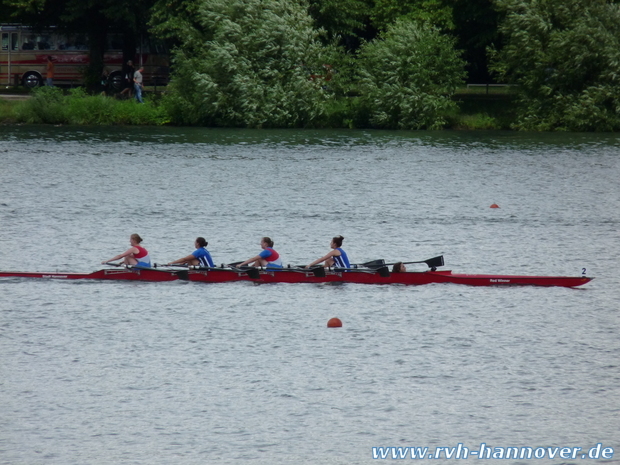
{"points": [[434, 12], [244, 63], [475, 28], [273, 63], [340, 18], [564, 55], [408, 77]]}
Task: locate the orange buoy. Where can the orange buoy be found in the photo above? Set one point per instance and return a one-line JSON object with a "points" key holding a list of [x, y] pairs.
{"points": [[334, 323], [494, 206]]}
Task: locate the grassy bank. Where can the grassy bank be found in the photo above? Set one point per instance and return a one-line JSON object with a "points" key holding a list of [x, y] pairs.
{"points": [[7, 111], [477, 110], [55, 106], [481, 111]]}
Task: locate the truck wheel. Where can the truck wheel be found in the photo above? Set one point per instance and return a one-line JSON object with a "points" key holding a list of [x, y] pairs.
{"points": [[32, 79]]}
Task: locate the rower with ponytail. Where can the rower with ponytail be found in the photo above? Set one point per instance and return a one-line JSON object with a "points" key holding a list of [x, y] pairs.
{"points": [[199, 257], [268, 258], [337, 257]]}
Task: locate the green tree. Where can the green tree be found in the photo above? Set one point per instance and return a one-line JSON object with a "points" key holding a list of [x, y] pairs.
{"points": [[476, 29], [564, 55], [437, 13], [244, 63], [340, 18], [408, 76]]}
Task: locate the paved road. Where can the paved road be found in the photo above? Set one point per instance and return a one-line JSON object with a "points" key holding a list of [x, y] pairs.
{"points": [[14, 96]]}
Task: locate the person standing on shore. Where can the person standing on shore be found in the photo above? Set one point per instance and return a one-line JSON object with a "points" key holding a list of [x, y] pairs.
{"points": [[137, 80], [49, 77], [128, 72]]}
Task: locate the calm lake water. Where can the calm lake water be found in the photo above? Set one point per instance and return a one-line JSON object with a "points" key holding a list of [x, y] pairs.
{"points": [[191, 373]]}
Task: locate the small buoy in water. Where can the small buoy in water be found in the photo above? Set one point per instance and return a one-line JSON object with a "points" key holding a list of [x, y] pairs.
{"points": [[494, 206], [334, 323]]}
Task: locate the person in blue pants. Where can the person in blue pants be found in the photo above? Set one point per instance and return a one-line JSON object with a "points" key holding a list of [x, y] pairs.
{"points": [[137, 84]]}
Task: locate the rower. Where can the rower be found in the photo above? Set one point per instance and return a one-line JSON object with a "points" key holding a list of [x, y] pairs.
{"points": [[336, 257], [268, 258], [199, 257], [399, 267], [136, 255]]}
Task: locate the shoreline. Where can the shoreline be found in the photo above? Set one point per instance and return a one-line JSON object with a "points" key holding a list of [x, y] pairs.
{"points": [[477, 111]]}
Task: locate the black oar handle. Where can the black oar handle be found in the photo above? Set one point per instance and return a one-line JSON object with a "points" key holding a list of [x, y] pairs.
{"points": [[181, 274], [382, 271], [316, 270], [252, 272], [431, 262]]}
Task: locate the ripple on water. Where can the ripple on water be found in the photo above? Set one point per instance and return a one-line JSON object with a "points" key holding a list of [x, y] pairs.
{"points": [[103, 372]]}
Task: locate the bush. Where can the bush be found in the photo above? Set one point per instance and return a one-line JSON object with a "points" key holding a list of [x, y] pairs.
{"points": [[47, 105], [563, 54], [244, 63], [408, 76]]}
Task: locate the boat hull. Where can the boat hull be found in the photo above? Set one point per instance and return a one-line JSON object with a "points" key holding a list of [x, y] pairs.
{"points": [[124, 274], [510, 280], [408, 278], [293, 277]]}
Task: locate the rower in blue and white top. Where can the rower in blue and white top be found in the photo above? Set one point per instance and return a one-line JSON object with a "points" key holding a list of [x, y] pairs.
{"points": [[268, 258], [199, 257], [337, 257]]}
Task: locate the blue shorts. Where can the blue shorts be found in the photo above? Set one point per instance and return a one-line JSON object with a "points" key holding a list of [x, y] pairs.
{"points": [[143, 264]]}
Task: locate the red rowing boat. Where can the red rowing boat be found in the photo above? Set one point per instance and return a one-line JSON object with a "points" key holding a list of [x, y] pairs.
{"points": [[299, 275], [120, 274]]}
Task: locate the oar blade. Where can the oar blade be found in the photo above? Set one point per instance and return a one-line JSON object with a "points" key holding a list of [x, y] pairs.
{"points": [[374, 263], [319, 271], [253, 273], [435, 262], [384, 272]]}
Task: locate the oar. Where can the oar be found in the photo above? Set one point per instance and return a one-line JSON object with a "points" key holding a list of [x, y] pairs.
{"points": [[230, 268], [431, 262], [251, 271], [196, 267], [373, 264], [182, 275], [317, 270], [382, 271]]}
